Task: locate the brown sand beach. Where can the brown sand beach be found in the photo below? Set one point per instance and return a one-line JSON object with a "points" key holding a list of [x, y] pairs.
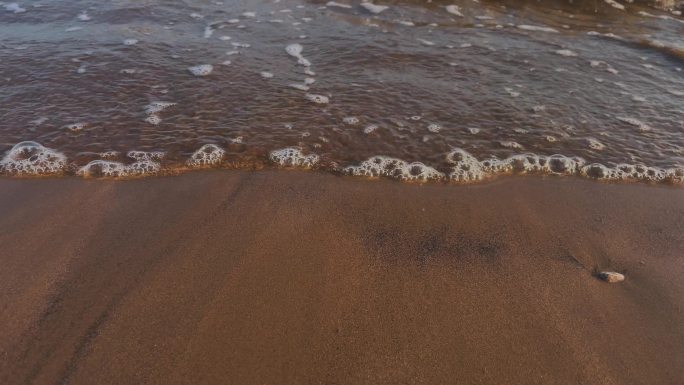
{"points": [[275, 277]]}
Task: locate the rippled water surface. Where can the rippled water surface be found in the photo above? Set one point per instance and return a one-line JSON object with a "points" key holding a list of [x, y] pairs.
{"points": [[461, 87]]}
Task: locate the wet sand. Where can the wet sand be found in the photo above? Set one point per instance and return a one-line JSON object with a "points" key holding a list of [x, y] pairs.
{"points": [[233, 277]]}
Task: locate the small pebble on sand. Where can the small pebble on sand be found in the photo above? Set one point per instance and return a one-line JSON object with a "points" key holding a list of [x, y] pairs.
{"points": [[611, 276]]}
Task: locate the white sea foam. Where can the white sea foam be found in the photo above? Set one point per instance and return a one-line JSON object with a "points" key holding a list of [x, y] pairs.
{"points": [[594, 144], [293, 157], [201, 70], [603, 65], [615, 4], [208, 31], [433, 127], [76, 126], [295, 50], [83, 16], [146, 155], [158, 106], [338, 5], [351, 120], [145, 163], [130, 42], [374, 8], [536, 28], [318, 99], [31, 158], [394, 168], [266, 75], [454, 10], [566, 52], [208, 154], [370, 128], [14, 7], [641, 126], [153, 119]]}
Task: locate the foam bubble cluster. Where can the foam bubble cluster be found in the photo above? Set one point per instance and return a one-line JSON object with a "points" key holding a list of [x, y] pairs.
{"points": [[295, 50], [395, 168], [454, 10], [293, 157], [208, 154], [156, 107], [467, 168], [145, 163], [14, 7], [201, 70], [374, 8], [318, 99], [31, 158]]}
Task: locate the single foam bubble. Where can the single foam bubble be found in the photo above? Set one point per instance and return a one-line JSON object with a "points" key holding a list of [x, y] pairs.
{"points": [[153, 119], [454, 10], [293, 157], [318, 99], [373, 8], [31, 158], [208, 154], [201, 70], [394, 168]]}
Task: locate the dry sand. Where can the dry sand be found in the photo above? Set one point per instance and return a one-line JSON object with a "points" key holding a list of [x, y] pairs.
{"points": [[229, 277]]}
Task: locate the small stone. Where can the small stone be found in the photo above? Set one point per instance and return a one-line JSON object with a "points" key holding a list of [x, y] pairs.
{"points": [[611, 276]]}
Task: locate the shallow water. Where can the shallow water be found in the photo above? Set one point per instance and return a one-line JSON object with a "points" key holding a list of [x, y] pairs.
{"points": [[461, 87]]}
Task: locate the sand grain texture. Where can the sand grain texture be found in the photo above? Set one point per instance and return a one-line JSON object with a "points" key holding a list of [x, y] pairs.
{"points": [[294, 277]]}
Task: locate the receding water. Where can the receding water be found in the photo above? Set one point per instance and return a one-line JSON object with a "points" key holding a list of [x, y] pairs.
{"points": [[461, 87]]}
